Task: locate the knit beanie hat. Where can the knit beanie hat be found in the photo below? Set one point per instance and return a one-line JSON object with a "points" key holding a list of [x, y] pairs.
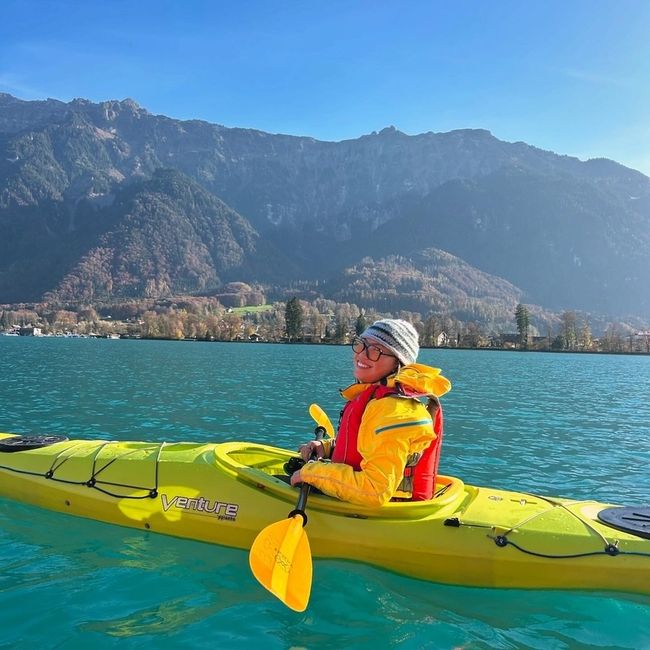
{"points": [[399, 336]]}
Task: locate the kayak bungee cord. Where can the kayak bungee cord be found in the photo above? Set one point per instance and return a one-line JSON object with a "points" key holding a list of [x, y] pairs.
{"points": [[502, 542], [93, 482], [555, 504], [611, 547]]}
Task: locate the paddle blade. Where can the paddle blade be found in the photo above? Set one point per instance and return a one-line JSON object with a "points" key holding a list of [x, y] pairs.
{"points": [[280, 559], [320, 417]]}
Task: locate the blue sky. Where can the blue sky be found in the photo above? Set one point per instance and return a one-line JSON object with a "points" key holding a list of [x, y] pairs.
{"points": [[571, 76]]}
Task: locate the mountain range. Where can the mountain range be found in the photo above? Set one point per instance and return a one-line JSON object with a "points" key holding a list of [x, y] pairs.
{"points": [[105, 201]]}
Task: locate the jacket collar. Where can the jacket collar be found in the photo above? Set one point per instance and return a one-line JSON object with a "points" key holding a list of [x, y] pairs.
{"points": [[419, 379]]}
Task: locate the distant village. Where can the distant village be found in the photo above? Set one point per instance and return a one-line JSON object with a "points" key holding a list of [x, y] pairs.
{"points": [[298, 321]]}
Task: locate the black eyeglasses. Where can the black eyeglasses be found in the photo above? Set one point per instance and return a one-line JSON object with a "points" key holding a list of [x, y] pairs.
{"points": [[372, 351]]}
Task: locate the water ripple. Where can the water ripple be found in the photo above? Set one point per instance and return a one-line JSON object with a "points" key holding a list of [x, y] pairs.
{"points": [[571, 425]]}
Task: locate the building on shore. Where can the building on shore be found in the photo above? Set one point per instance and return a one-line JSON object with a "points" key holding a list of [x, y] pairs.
{"points": [[30, 330]]}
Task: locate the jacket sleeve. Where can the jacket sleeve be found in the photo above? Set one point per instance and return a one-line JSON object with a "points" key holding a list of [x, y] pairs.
{"points": [[392, 428]]}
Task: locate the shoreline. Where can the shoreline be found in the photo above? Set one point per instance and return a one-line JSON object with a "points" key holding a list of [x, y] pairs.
{"points": [[311, 343]]}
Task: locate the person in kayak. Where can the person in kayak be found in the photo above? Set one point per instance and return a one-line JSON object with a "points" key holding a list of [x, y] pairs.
{"points": [[388, 441]]}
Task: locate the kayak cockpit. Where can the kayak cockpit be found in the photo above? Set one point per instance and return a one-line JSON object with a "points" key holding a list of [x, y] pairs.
{"points": [[263, 467]]}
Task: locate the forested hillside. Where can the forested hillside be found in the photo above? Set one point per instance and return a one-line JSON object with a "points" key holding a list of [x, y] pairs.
{"points": [[107, 201]]}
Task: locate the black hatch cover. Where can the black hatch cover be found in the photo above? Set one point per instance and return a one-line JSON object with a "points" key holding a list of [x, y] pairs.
{"points": [[635, 520]]}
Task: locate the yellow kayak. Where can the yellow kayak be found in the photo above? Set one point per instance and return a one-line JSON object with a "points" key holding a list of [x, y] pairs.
{"points": [[226, 493]]}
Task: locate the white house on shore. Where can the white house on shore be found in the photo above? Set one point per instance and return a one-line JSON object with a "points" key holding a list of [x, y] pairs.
{"points": [[30, 330]]}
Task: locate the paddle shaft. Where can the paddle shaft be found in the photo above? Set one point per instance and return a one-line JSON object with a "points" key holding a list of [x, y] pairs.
{"points": [[305, 487]]}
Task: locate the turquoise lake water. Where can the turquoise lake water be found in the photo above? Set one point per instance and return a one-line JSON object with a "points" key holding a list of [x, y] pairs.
{"points": [[563, 425]]}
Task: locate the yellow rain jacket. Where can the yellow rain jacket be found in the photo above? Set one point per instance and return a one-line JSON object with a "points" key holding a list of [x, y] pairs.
{"points": [[391, 430]]}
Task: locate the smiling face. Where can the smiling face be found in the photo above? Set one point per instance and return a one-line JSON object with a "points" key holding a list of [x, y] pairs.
{"points": [[368, 371]]}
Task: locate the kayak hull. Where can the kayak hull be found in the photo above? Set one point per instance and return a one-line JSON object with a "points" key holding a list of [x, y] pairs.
{"points": [[226, 493]]}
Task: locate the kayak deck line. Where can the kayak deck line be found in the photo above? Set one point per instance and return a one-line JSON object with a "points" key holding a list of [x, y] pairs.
{"points": [[611, 547], [226, 493], [92, 481]]}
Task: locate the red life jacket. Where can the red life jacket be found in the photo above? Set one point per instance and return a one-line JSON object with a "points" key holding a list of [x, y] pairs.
{"points": [[420, 472]]}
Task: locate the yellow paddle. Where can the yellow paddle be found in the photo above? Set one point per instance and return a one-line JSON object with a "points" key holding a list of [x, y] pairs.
{"points": [[280, 557], [321, 419]]}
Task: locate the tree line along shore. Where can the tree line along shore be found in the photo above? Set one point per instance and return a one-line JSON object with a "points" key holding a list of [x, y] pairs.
{"points": [[317, 321]]}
